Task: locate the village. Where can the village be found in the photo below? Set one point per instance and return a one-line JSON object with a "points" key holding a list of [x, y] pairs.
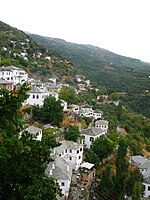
{"points": [[75, 177]]}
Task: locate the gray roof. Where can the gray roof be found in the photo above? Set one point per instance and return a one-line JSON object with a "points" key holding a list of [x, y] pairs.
{"points": [[101, 122], [98, 111], [9, 68], [60, 169], [33, 130], [38, 90], [92, 131], [67, 145], [145, 165], [138, 160], [146, 176]]}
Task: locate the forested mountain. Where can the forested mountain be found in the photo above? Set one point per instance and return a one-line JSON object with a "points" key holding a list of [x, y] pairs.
{"points": [[113, 71], [19, 49]]}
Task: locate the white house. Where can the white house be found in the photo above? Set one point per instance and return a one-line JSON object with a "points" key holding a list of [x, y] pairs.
{"points": [[102, 124], [35, 131], [97, 114], [61, 171], [70, 151], [36, 96], [86, 111], [90, 134], [144, 166], [13, 74], [6, 84]]}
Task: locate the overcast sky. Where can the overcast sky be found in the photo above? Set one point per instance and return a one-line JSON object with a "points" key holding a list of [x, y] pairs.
{"points": [[121, 26]]}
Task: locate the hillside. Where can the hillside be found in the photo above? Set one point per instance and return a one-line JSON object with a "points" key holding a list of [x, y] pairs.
{"points": [[19, 49], [102, 66]]}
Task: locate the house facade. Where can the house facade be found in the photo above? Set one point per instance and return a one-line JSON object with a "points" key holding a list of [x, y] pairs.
{"points": [[143, 164], [35, 131], [91, 134], [102, 124], [61, 171], [6, 84], [36, 96], [13, 74], [70, 151]]}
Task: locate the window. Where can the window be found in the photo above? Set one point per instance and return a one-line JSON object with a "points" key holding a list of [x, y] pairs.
{"points": [[77, 151], [91, 139], [62, 183], [66, 150], [79, 157], [148, 188], [80, 149], [37, 96], [70, 158], [70, 150], [33, 96]]}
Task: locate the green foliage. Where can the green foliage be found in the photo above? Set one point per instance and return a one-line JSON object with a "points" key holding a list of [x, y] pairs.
{"points": [[102, 147], [134, 177], [121, 170], [69, 95], [91, 157], [72, 133], [14, 42], [23, 159], [106, 186], [52, 111], [137, 191], [110, 70]]}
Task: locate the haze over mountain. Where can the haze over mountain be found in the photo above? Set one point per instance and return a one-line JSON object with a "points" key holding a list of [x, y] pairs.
{"points": [[102, 66]]}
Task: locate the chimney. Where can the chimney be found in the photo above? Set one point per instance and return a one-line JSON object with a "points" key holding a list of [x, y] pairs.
{"points": [[68, 167], [50, 172], [53, 166]]}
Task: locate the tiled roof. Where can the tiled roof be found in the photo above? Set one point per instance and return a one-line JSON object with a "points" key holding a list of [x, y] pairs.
{"points": [[92, 131], [59, 168], [101, 122], [33, 129]]}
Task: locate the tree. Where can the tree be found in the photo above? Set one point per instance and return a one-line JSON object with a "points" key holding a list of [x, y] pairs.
{"points": [[137, 191], [121, 170], [68, 94], [91, 157], [52, 111], [134, 177], [102, 147], [23, 160], [72, 133], [107, 182]]}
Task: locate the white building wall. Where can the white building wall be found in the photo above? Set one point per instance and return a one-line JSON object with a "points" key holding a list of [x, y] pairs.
{"points": [[77, 157], [87, 141], [36, 98], [97, 115], [15, 75], [66, 187], [147, 190]]}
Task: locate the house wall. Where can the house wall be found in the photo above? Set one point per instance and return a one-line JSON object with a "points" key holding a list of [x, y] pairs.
{"points": [[147, 190], [97, 115], [76, 157], [15, 76], [66, 187], [36, 98], [102, 127], [87, 141]]}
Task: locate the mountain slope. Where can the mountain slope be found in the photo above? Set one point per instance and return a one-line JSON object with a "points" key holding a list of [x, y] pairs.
{"points": [[19, 49], [108, 69]]}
